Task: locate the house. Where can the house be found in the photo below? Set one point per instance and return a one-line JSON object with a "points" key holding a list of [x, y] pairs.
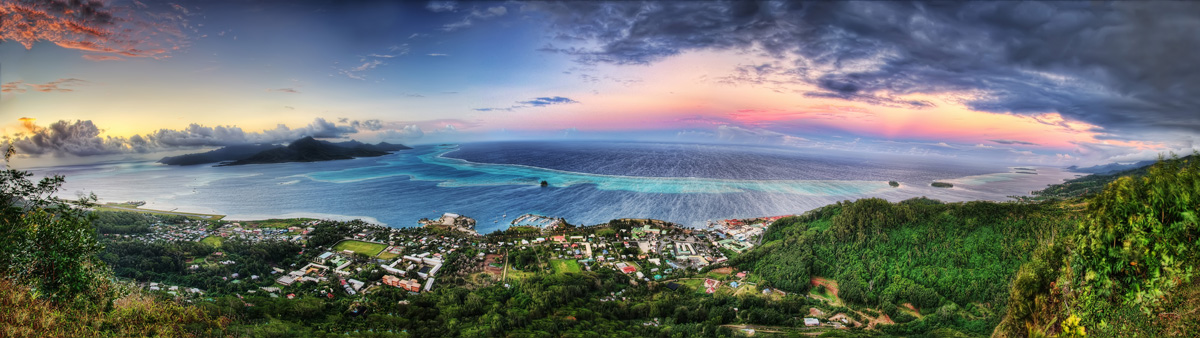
{"points": [[629, 269], [673, 286], [811, 322]]}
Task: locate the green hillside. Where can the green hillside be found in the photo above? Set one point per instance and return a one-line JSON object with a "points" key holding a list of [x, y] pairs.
{"points": [[951, 261]]}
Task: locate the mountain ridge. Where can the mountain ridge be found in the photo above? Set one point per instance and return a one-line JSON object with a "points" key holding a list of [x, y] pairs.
{"points": [[307, 149]]}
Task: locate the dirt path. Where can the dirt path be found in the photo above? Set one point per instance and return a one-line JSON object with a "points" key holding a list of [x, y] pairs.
{"points": [[915, 311], [829, 284], [758, 328]]}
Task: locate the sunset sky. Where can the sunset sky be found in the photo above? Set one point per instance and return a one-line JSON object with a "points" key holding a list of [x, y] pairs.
{"points": [[1052, 83]]}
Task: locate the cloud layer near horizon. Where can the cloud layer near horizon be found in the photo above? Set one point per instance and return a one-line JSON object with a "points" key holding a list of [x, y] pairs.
{"points": [[83, 138]]}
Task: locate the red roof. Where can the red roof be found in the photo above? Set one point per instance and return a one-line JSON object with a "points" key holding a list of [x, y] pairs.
{"points": [[629, 269]]}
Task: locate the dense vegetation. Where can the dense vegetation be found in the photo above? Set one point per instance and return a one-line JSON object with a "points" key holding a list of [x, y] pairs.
{"points": [[951, 260], [1090, 185], [1128, 269], [309, 149], [53, 285]]}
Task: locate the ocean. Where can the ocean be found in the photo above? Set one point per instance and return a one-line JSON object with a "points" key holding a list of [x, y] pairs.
{"points": [[590, 182]]}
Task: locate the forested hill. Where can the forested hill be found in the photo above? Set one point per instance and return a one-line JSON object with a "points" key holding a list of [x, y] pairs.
{"points": [[302, 150], [311, 150], [1119, 264], [950, 262], [1094, 183], [228, 153]]}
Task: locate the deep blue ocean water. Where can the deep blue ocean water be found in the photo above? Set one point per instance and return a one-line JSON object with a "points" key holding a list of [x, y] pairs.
{"points": [[590, 183]]}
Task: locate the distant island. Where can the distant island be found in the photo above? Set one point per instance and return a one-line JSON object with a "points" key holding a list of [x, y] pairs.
{"points": [[306, 149], [229, 153], [941, 185], [894, 184], [1111, 168]]}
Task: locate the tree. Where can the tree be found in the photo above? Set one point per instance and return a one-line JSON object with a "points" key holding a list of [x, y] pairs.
{"points": [[46, 241]]}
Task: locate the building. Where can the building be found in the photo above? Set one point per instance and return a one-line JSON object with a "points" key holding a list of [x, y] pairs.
{"points": [[811, 322], [391, 280], [286, 280], [324, 256], [412, 285]]}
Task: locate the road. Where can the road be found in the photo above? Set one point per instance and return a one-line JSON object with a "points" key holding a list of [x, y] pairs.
{"points": [[160, 212]]}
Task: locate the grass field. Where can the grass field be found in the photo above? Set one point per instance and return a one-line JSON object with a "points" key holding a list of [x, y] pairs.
{"points": [[565, 265], [369, 249], [696, 284], [716, 275], [387, 256], [518, 275], [214, 241], [827, 296]]}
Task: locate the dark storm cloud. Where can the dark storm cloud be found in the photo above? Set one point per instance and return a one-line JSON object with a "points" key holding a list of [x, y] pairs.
{"points": [[82, 138], [1123, 66]]}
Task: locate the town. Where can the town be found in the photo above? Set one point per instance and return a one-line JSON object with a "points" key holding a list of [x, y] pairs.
{"points": [[358, 258]]}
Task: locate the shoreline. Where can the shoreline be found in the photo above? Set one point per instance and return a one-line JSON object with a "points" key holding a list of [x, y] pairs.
{"points": [[660, 204]]}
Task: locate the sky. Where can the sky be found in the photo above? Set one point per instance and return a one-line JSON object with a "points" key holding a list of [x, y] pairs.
{"points": [[1058, 83]]}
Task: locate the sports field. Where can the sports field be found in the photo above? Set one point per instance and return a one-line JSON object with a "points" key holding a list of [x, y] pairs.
{"points": [[369, 249]]}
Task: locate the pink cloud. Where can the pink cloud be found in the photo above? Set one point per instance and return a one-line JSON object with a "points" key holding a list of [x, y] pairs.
{"points": [[90, 26], [94, 57], [60, 85]]}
